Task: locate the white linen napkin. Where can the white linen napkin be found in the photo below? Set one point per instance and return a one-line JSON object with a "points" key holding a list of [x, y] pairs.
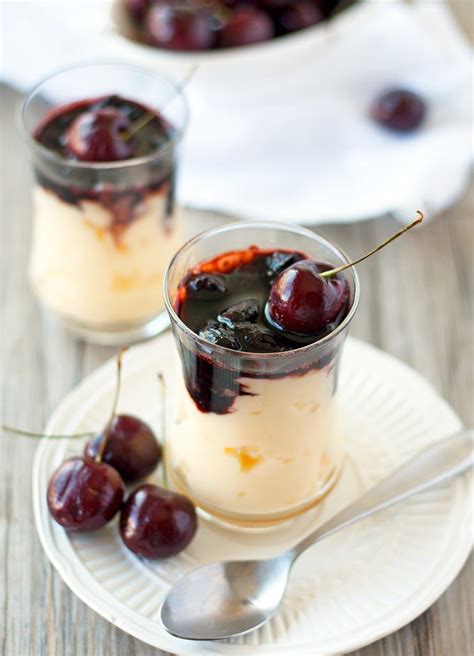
{"points": [[287, 137]]}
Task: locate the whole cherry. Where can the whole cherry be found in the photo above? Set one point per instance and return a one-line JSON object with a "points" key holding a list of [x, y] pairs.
{"points": [[179, 27], [327, 7], [245, 25], [137, 8], [127, 443], [308, 297], [131, 447], [84, 495], [303, 302], [100, 136], [298, 15], [157, 523], [399, 110]]}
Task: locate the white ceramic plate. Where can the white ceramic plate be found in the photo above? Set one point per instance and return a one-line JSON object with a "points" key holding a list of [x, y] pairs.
{"points": [[351, 589]]}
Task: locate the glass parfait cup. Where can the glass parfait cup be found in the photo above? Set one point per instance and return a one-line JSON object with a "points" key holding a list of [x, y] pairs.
{"points": [[104, 232], [255, 438]]}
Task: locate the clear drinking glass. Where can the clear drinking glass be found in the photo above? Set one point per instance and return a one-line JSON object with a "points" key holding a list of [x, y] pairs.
{"points": [[104, 232], [254, 438]]}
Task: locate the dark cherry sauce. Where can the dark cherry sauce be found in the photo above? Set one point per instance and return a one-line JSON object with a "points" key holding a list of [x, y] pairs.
{"points": [[123, 204], [103, 186], [52, 130], [223, 301]]}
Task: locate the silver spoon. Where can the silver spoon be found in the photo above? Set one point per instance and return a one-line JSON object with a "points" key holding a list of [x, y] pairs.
{"points": [[228, 598]]}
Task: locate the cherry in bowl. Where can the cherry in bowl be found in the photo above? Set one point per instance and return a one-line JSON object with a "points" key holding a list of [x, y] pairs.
{"points": [[137, 8], [179, 27], [245, 26], [297, 16]]}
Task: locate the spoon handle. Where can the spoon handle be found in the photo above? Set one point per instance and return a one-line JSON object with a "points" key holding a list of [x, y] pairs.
{"points": [[433, 466]]}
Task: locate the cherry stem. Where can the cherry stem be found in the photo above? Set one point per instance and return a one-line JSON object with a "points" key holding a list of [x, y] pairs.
{"points": [[332, 272], [149, 116], [17, 431], [118, 383]]}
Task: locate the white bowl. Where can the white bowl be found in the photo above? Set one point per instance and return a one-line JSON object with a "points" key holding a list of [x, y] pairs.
{"points": [[318, 36]]}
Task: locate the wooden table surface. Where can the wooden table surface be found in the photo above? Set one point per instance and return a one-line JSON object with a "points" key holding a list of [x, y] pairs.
{"points": [[415, 305]]}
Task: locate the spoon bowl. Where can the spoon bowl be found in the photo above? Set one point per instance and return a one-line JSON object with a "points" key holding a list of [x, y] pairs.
{"points": [[229, 598]]}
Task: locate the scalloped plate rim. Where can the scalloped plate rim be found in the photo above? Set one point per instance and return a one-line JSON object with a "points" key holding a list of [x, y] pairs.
{"points": [[129, 620]]}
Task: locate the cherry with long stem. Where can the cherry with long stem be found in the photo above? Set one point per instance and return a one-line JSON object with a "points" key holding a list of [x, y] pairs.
{"points": [[118, 384], [126, 442], [306, 301], [343, 267]]}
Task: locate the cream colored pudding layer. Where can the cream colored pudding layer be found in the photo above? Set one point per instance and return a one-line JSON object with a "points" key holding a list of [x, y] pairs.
{"points": [[270, 454], [80, 270]]}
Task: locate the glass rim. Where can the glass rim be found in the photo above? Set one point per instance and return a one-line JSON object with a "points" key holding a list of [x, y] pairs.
{"points": [[315, 236], [126, 163]]}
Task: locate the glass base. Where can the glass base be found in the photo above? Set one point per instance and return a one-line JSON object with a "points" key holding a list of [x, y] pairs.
{"points": [[118, 334], [266, 521]]}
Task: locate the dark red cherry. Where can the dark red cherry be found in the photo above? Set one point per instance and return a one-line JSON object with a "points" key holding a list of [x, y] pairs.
{"points": [[303, 302], [131, 448], [84, 495], [137, 8], [157, 523], [298, 15], [246, 25], [180, 27], [97, 136], [399, 110], [327, 7]]}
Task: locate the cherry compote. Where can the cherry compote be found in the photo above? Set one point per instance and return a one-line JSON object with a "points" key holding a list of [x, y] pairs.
{"points": [[100, 130], [262, 301]]}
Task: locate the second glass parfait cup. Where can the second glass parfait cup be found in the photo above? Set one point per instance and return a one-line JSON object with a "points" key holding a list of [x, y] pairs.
{"points": [[104, 143], [254, 438]]}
